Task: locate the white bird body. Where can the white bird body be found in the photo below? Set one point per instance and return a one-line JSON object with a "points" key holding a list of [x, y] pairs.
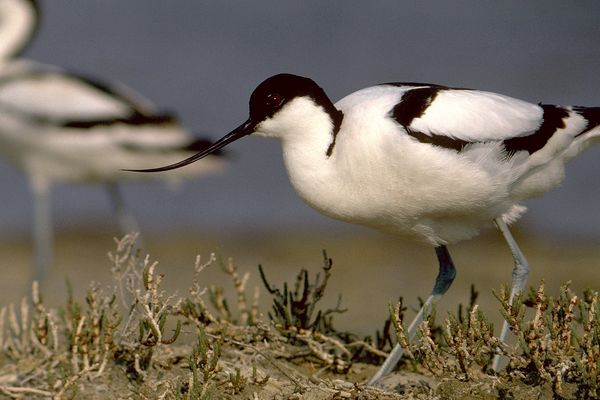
{"points": [[380, 176]]}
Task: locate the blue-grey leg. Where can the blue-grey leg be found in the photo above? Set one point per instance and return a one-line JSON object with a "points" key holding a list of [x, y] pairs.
{"points": [[42, 230], [126, 221], [519, 277], [443, 282]]}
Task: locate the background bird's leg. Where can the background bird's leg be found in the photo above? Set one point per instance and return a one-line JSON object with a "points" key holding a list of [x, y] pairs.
{"points": [[443, 282], [126, 221], [42, 229], [519, 277]]}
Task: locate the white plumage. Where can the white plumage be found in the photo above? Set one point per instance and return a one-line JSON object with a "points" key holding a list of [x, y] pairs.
{"points": [[425, 161], [380, 175]]}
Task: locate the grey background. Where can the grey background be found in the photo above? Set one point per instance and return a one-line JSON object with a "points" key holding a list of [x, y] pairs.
{"points": [[202, 59]]}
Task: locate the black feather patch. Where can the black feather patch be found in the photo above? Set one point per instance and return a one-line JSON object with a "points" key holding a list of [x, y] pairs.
{"points": [[553, 119], [413, 104], [438, 140], [337, 117], [591, 114], [135, 119]]}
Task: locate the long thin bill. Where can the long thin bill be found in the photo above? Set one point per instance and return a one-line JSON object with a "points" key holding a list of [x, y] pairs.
{"points": [[243, 130]]}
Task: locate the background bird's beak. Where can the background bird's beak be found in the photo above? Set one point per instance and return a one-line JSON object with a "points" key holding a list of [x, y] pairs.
{"points": [[243, 130]]}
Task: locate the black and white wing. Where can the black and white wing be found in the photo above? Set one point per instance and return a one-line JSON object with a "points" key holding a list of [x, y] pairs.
{"points": [[84, 129], [45, 99], [454, 118], [54, 96]]}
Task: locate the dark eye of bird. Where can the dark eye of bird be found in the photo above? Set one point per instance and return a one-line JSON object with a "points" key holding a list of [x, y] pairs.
{"points": [[274, 100]]}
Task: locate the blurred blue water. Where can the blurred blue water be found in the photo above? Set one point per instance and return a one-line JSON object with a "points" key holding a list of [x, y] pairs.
{"points": [[203, 59]]}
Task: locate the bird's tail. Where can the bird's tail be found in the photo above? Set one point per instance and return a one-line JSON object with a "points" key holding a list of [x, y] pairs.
{"points": [[592, 115], [591, 135]]}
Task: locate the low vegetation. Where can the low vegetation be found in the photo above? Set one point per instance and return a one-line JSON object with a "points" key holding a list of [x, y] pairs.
{"points": [[135, 340]]}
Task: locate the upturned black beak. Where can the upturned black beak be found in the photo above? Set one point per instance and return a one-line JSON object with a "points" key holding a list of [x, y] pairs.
{"points": [[243, 130]]}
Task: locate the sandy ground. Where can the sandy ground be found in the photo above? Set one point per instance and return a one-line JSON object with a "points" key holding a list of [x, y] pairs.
{"points": [[370, 270]]}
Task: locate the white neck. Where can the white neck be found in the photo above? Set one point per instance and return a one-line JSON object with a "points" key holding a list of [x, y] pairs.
{"points": [[306, 132], [18, 20]]}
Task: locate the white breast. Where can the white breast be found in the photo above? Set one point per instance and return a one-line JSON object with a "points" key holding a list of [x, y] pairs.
{"points": [[380, 177]]}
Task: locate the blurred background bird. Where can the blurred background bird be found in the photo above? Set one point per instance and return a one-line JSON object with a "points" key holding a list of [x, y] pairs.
{"points": [[62, 127]]}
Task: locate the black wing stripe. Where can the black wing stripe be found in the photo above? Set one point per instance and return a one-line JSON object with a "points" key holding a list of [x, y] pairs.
{"points": [[552, 120], [135, 119], [413, 104], [439, 140]]}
